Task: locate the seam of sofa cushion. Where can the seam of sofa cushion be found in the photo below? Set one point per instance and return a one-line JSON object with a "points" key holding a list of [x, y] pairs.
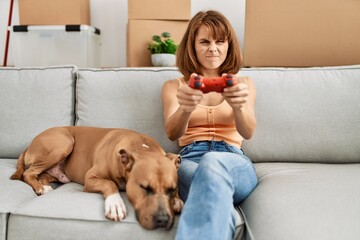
{"points": [[68, 219], [249, 233], [129, 69], [38, 68]]}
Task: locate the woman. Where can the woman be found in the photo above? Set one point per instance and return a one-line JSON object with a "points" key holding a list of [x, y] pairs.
{"points": [[214, 174]]}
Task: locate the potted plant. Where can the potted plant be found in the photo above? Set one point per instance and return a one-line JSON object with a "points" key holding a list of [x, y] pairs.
{"points": [[162, 49]]}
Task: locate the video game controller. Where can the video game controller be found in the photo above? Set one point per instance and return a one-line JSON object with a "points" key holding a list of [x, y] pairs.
{"points": [[215, 84]]}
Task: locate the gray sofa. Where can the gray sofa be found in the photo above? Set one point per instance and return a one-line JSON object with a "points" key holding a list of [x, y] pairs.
{"points": [[306, 150]]}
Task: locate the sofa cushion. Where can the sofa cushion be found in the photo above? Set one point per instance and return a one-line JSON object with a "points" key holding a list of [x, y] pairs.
{"points": [[124, 98], [306, 114], [68, 207], [13, 194], [80, 213], [304, 201], [33, 99]]}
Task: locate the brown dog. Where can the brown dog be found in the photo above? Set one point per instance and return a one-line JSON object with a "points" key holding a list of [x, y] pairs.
{"points": [[105, 160]]}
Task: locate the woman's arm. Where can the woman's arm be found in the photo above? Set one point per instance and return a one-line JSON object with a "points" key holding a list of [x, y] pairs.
{"points": [[178, 104], [241, 98]]}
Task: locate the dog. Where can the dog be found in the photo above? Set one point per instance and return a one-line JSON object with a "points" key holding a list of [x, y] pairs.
{"points": [[105, 160]]}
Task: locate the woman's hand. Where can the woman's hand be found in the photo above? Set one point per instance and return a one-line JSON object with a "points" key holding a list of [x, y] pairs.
{"points": [[237, 96], [188, 98]]}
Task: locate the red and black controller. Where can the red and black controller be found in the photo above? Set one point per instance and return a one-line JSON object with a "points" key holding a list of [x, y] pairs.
{"points": [[215, 84]]}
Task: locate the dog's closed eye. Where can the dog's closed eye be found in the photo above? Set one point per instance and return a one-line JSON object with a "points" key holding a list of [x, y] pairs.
{"points": [[170, 192], [147, 189]]}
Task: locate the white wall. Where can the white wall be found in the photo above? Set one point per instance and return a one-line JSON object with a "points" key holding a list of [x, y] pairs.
{"points": [[110, 16]]}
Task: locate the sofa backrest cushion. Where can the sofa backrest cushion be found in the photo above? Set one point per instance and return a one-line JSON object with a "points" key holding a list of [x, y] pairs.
{"points": [[32, 100], [306, 114], [124, 98]]}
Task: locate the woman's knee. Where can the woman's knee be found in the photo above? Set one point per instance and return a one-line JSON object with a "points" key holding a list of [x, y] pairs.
{"points": [[236, 169]]}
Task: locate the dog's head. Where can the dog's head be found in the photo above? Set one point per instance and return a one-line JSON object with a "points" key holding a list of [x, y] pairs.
{"points": [[152, 186]]}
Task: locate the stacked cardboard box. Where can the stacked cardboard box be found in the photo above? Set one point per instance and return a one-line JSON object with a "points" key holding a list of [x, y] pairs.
{"points": [[153, 17], [54, 12], [294, 33]]}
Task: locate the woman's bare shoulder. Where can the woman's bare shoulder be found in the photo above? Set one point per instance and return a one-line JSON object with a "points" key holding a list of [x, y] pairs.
{"points": [[171, 84], [245, 79]]}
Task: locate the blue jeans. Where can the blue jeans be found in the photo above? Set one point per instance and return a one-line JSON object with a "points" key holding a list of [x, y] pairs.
{"points": [[213, 176]]}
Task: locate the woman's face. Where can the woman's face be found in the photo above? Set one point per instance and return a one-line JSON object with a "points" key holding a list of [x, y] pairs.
{"points": [[211, 53]]}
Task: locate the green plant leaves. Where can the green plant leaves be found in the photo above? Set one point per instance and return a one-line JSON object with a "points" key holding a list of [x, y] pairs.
{"points": [[162, 44], [166, 35], [156, 38]]}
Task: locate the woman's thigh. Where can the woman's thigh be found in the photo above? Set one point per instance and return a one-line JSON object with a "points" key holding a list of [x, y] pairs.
{"points": [[238, 167]]}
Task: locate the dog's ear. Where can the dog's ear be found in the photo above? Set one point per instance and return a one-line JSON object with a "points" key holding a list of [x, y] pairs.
{"points": [[175, 158], [126, 159]]}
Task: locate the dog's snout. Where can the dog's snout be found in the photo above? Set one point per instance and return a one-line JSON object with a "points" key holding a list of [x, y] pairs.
{"points": [[161, 219]]}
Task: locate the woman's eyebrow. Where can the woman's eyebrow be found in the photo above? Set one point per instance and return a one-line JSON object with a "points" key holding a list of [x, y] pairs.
{"points": [[204, 39]]}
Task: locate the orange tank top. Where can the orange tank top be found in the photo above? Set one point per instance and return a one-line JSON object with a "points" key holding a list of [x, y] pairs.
{"points": [[214, 123]]}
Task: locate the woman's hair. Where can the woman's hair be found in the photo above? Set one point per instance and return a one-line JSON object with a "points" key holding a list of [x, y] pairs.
{"points": [[220, 29]]}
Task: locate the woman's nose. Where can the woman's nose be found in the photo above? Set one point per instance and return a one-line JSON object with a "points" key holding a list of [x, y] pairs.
{"points": [[212, 48]]}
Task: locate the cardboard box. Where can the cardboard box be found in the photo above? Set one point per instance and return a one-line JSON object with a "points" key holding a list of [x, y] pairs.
{"points": [[159, 9], [55, 45], [139, 34], [54, 12], [293, 33]]}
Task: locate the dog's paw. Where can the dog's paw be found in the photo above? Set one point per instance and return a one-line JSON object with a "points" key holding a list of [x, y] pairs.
{"points": [[178, 205], [115, 208], [44, 189]]}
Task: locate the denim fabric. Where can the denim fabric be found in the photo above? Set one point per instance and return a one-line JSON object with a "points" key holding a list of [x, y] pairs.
{"points": [[213, 176]]}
